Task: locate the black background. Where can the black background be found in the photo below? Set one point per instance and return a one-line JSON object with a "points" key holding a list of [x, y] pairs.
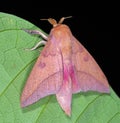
{"points": [[98, 33]]}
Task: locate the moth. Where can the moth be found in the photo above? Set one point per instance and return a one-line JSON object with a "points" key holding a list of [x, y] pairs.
{"points": [[64, 67]]}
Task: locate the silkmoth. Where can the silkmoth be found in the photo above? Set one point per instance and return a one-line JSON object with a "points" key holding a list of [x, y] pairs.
{"points": [[64, 67]]}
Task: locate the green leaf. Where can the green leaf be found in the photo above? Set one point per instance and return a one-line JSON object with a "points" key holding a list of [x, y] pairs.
{"points": [[15, 66]]}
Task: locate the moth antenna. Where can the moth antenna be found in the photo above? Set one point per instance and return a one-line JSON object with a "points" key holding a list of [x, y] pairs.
{"points": [[51, 21], [63, 18], [54, 22]]}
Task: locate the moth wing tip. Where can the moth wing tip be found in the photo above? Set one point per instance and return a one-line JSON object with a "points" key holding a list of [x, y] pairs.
{"points": [[107, 90], [22, 105], [68, 112]]}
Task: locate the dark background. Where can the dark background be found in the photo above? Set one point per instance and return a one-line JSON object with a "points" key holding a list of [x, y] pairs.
{"points": [[98, 33]]}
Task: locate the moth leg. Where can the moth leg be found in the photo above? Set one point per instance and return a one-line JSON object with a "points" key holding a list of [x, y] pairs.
{"points": [[38, 32], [37, 45]]}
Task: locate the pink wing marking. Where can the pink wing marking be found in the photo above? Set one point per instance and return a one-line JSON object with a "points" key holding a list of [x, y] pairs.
{"points": [[64, 95]]}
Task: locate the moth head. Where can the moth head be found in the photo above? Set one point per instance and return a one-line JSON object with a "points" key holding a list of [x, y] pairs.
{"points": [[54, 22]]}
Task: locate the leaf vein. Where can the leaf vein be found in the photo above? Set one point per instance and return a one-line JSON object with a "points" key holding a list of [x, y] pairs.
{"points": [[43, 109], [117, 113], [87, 107], [16, 76]]}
